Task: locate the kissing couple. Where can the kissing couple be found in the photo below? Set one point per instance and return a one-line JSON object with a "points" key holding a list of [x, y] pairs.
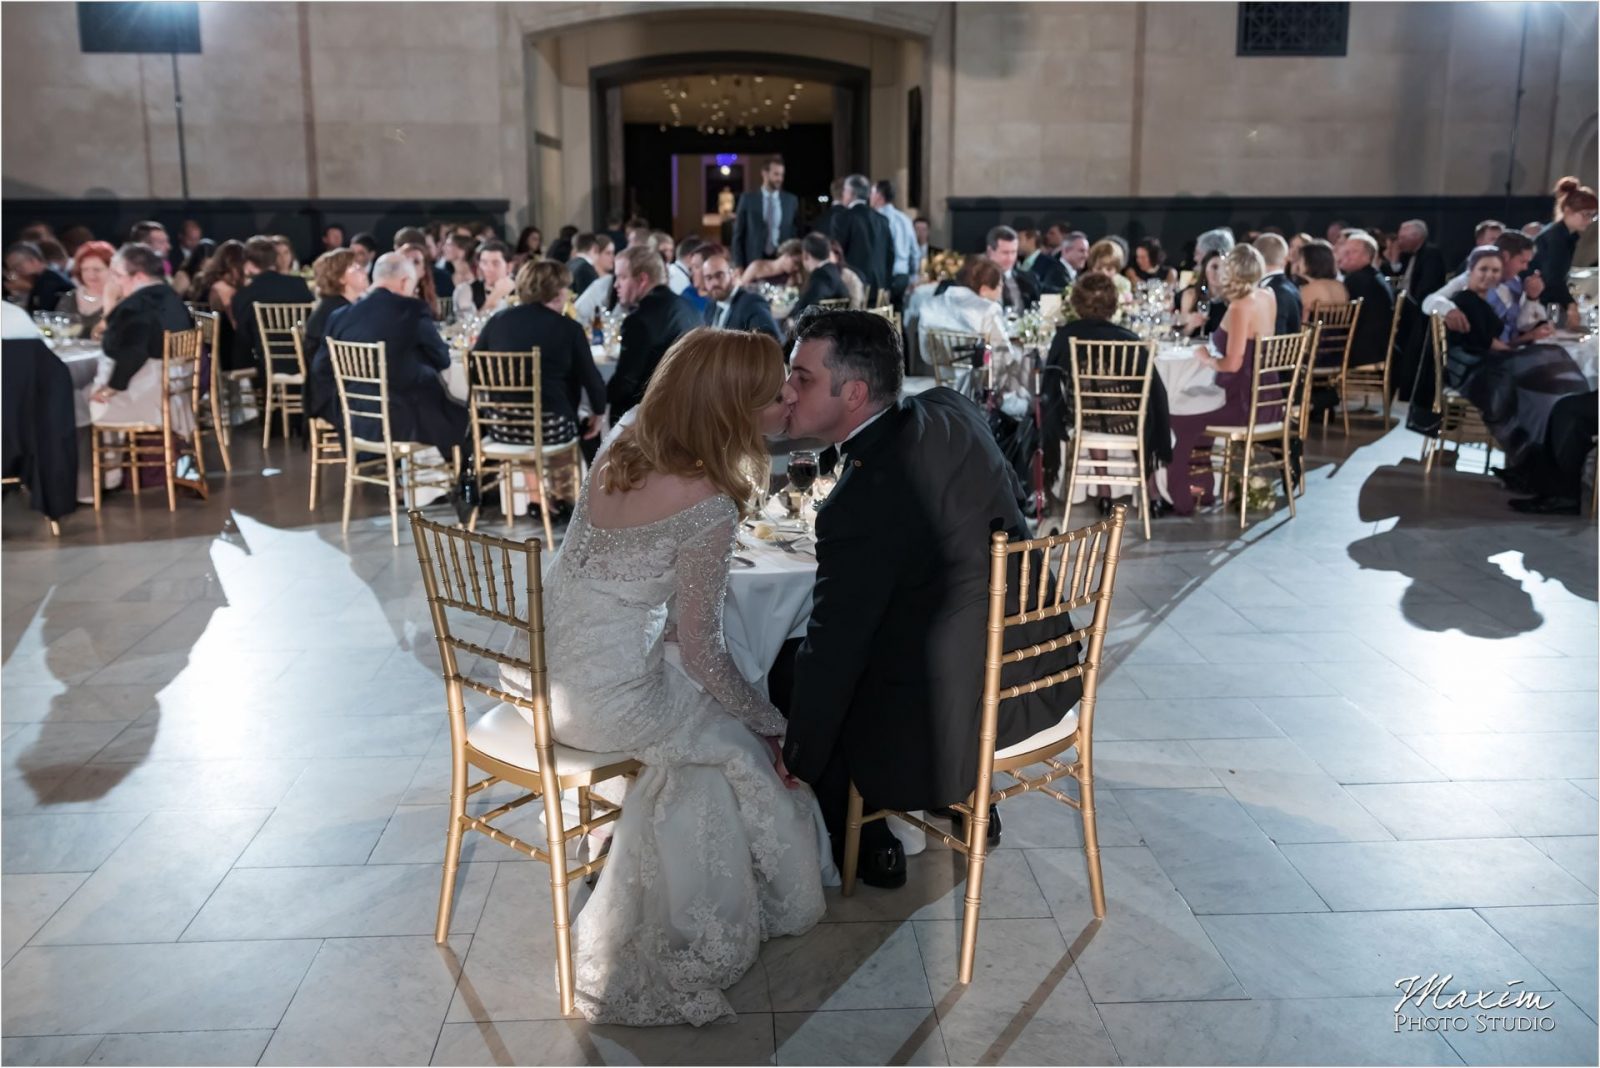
{"points": [[737, 818]]}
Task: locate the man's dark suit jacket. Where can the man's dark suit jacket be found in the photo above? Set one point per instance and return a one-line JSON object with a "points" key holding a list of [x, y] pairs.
{"points": [[857, 230], [1288, 295], [1027, 289], [1371, 341], [414, 354], [1428, 277], [746, 311], [889, 678], [750, 225], [1050, 273], [661, 318], [824, 284], [583, 275], [49, 286], [268, 287]]}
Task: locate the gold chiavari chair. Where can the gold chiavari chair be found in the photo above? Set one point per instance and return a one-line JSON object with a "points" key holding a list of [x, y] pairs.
{"points": [[949, 352], [326, 449], [213, 418], [180, 417], [887, 311], [360, 370], [1075, 569], [1460, 421], [286, 370], [475, 578], [835, 304], [1111, 396], [1338, 330], [1374, 378], [55, 527], [506, 403], [1273, 389]]}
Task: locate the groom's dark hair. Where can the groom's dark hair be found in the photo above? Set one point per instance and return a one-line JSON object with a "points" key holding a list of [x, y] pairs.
{"points": [[866, 347]]}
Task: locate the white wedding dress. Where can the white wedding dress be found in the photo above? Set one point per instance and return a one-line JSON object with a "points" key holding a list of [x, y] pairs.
{"points": [[713, 854]]}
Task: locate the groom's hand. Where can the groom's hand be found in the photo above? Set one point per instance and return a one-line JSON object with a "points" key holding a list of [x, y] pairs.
{"points": [[784, 774]]}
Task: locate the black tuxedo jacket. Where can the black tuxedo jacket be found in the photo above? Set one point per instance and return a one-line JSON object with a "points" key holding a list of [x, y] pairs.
{"points": [[1371, 341], [583, 275], [414, 354], [1429, 275], [1050, 273], [891, 670], [750, 227], [661, 318], [746, 311], [1027, 289], [857, 229], [824, 284], [268, 287], [48, 289], [1289, 311]]}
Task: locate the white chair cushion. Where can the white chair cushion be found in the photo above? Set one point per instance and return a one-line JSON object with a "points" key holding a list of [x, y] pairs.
{"points": [[288, 379], [401, 448], [1094, 439], [1262, 430], [505, 734], [1049, 736], [502, 450]]}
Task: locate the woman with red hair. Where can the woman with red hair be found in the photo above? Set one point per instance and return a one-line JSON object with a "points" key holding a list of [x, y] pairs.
{"points": [[91, 269]]}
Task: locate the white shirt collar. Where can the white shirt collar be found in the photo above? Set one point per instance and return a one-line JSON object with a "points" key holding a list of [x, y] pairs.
{"points": [[869, 421]]}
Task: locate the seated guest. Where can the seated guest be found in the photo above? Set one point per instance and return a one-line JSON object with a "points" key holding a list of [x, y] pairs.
{"points": [[91, 269], [365, 246], [1218, 240], [215, 288], [435, 279], [561, 247], [340, 281], [692, 253], [592, 256], [128, 388], [193, 263], [1294, 268], [1553, 248], [970, 305], [1483, 234], [530, 246], [854, 284], [1419, 267], [332, 237], [1356, 256], [288, 263], [1150, 264], [487, 293], [926, 251], [1515, 299], [457, 259], [149, 232], [426, 277], [733, 307], [784, 269], [264, 284], [32, 282], [419, 408], [680, 277], [1107, 257], [659, 318], [664, 245], [1321, 285], [567, 373], [1275, 254], [823, 281], [1018, 289], [1200, 303]]}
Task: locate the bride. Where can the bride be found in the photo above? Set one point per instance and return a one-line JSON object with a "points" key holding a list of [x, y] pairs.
{"points": [[718, 846]]}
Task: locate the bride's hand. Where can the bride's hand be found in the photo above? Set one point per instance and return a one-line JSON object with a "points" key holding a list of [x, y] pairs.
{"points": [[776, 745]]}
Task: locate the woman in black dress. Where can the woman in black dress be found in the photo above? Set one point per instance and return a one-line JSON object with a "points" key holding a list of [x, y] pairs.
{"points": [[1552, 249], [340, 281], [1200, 304]]}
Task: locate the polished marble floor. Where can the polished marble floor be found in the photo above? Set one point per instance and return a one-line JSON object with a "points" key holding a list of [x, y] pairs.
{"points": [[1333, 752]]}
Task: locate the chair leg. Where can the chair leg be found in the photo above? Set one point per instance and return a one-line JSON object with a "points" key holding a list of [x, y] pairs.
{"points": [[1344, 405], [1091, 840], [94, 464], [316, 464], [219, 429], [508, 489], [394, 503], [1142, 492], [977, 850], [1288, 478], [55, 529], [452, 842], [1072, 484], [1244, 481], [349, 485], [852, 842], [266, 418], [561, 917], [283, 411], [544, 503], [131, 459]]}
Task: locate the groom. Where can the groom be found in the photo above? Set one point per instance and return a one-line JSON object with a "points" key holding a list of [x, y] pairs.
{"points": [[887, 684]]}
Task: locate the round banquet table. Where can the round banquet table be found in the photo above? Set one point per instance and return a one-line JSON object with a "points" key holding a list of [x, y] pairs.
{"points": [[1191, 384], [1585, 352]]}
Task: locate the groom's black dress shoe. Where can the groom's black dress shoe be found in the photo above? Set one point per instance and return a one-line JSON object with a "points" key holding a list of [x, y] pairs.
{"points": [[993, 837], [883, 867], [1546, 506]]}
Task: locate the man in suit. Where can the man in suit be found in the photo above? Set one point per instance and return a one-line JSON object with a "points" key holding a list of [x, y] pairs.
{"points": [[925, 249], [414, 355], [863, 235], [592, 256], [1058, 268], [264, 285], [30, 281], [731, 307], [823, 281], [1275, 254], [887, 683], [1421, 268], [764, 219], [1356, 256], [659, 318], [1018, 289], [906, 260]]}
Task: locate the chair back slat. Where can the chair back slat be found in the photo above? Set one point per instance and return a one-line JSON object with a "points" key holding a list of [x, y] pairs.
{"points": [[360, 372], [949, 349], [1110, 385], [275, 323], [1439, 343], [1337, 334], [1276, 381], [505, 398]]}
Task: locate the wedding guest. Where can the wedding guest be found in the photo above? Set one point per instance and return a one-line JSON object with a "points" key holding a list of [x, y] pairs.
{"points": [[365, 246], [567, 373], [1515, 299], [903, 235], [886, 684], [1335, 232], [1027, 245], [664, 245], [131, 389], [865, 244], [340, 281], [1420, 268], [434, 279], [216, 287], [1294, 269], [332, 237], [427, 274], [193, 265], [823, 280], [732, 307], [1356, 256], [1218, 240], [1553, 248], [1150, 264], [680, 273], [766, 218], [491, 284], [658, 319], [90, 299], [149, 232], [1018, 289], [457, 260], [592, 256], [419, 408], [264, 284], [1286, 295], [853, 283], [1321, 285], [1232, 354], [55, 254], [925, 251], [561, 247], [1200, 303], [787, 268], [32, 282], [970, 305], [530, 246], [1106, 257]]}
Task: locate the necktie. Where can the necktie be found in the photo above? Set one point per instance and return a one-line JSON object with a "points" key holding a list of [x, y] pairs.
{"points": [[722, 313], [769, 199], [1013, 295]]}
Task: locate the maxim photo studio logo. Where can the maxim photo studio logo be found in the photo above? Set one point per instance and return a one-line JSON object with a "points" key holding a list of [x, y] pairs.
{"points": [[1437, 1003]]}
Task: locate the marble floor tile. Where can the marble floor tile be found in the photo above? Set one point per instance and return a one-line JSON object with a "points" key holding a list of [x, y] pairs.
{"points": [[1290, 798], [183, 1048], [1434, 810], [1026, 1003], [1559, 940], [1576, 853], [859, 1036], [1439, 875], [1036, 821], [1540, 807], [333, 814], [49, 1049], [936, 883], [1234, 680], [847, 966], [1570, 1040], [1551, 755], [219, 986], [27, 902], [1151, 764], [178, 785], [42, 842], [1155, 720], [1150, 947], [745, 1040], [370, 1001]]}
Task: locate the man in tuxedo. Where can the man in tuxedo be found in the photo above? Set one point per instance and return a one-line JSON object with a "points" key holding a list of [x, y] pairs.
{"points": [[863, 235], [1275, 254], [925, 250], [1421, 268], [823, 281], [1018, 289], [414, 355], [264, 285], [659, 318], [592, 256], [30, 281], [1356, 256], [764, 219], [887, 684], [1058, 268], [732, 307], [906, 253]]}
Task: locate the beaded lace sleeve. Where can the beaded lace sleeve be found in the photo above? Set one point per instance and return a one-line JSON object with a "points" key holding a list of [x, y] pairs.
{"points": [[703, 562]]}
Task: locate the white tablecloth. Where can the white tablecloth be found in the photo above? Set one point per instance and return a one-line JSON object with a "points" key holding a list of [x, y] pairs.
{"points": [[1191, 383], [769, 602], [1585, 352]]}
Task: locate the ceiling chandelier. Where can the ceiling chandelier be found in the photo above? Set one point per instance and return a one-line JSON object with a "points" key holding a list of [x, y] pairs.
{"points": [[728, 105]]}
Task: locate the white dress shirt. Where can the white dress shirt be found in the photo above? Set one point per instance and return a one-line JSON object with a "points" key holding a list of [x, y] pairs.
{"points": [[723, 308], [1442, 302], [678, 277], [594, 299], [907, 253]]}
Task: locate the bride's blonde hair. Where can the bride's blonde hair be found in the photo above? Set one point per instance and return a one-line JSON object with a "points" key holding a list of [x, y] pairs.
{"points": [[701, 416]]}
